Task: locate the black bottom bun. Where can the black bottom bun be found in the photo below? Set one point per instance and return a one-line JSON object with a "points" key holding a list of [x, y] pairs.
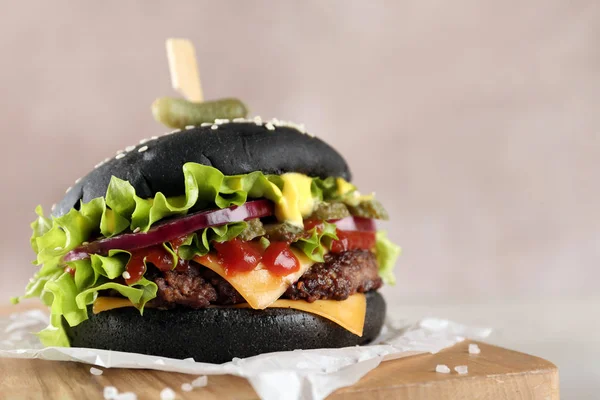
{"points": [[217, 335]]}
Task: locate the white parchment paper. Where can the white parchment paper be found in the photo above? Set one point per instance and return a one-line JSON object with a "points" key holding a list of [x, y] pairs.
{"points": [[290, 375]]}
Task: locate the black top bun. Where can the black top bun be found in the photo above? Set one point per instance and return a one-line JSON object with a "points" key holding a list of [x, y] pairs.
{"points": [[217, 335], [234, 148]]}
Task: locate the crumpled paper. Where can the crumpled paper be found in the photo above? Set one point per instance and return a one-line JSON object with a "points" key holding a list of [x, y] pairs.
{"points": [[289, 375]]}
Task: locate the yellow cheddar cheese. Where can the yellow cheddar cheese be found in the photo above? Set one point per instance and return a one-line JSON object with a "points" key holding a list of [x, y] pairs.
{"points": [[349, 313]]}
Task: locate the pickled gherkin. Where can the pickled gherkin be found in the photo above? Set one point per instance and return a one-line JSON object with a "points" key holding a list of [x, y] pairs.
{"points": [[368, 209], [326, 211], [283, 232], [254, 229], [179, 113]]}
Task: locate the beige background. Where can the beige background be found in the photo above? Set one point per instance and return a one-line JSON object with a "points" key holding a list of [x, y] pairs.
{"points": [[477, 125], [476, 122]]}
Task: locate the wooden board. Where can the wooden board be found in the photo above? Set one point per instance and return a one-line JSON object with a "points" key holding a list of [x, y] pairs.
{"points": [[496, 373]]}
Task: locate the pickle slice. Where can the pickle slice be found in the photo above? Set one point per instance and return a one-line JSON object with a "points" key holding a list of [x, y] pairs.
{"points": [[334, 210], [254, 228], [368, 209], [179, 113]]}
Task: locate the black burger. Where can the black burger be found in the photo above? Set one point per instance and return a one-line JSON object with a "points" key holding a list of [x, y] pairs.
{"points": [[223, 240]]}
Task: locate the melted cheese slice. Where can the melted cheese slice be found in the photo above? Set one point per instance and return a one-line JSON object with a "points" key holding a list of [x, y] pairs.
{"points": [[349, 313], [259, 287]]}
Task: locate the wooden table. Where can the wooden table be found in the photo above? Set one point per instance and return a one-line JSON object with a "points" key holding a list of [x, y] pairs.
{"points": [[495, 373]]}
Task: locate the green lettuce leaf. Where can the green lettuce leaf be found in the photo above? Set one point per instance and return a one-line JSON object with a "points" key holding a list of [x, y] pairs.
{"points": [[387, 253], [54, 334], [68, 296], [122, 209], [139, 293], [198, 244], [320, 238]]}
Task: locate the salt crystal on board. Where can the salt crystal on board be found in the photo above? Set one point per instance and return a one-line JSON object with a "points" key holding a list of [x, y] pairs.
{"points": [[186, 387], [461, 369], [200, 381], [442, 369], [474, 349], [110, 392], [167, 394]]}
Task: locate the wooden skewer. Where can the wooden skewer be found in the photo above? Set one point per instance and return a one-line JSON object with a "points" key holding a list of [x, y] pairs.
{"points": [[185, 77]]}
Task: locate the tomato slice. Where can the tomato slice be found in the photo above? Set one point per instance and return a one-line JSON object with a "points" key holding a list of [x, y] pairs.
{"points": [[353, 240]]}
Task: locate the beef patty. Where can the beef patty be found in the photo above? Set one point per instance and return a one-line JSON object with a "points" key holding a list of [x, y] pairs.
{"points": [[340, 276]]}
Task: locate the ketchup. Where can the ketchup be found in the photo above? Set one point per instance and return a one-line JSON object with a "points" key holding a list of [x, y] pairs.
{"points": [[156, 255], [135, 267], [279, 259], [237, 255]]}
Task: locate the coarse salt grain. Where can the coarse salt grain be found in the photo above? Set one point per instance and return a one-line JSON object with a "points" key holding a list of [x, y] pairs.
{"points": [[126, 275], [204, 124], [190, 126], [136, 230], [120, 155], [126, 396], [200, 381], [186, 387], [442, 369], [95, 371], [58, 248], [110, 392], [167, 394], [68, 189], [142, 149], [474, 349], [461, 369], [214, 127], [129, 148], [270, 126]]}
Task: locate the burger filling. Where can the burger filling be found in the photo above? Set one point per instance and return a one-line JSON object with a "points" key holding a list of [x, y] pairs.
{"points": [[338, 277], [256, 240]]}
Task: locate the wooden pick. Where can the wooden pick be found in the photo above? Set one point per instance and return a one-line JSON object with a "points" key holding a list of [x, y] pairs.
{"points": [[185, 77]]}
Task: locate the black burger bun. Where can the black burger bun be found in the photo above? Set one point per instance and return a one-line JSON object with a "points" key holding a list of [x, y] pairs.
{"points": [[155, 165], [217, 335]]}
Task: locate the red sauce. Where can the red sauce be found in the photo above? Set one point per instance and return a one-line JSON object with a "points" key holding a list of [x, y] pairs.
{"points": [[177, 242], [70, 270], [135, 267], [237, 256], [279, 259], [352, 240], [157, 256]]}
